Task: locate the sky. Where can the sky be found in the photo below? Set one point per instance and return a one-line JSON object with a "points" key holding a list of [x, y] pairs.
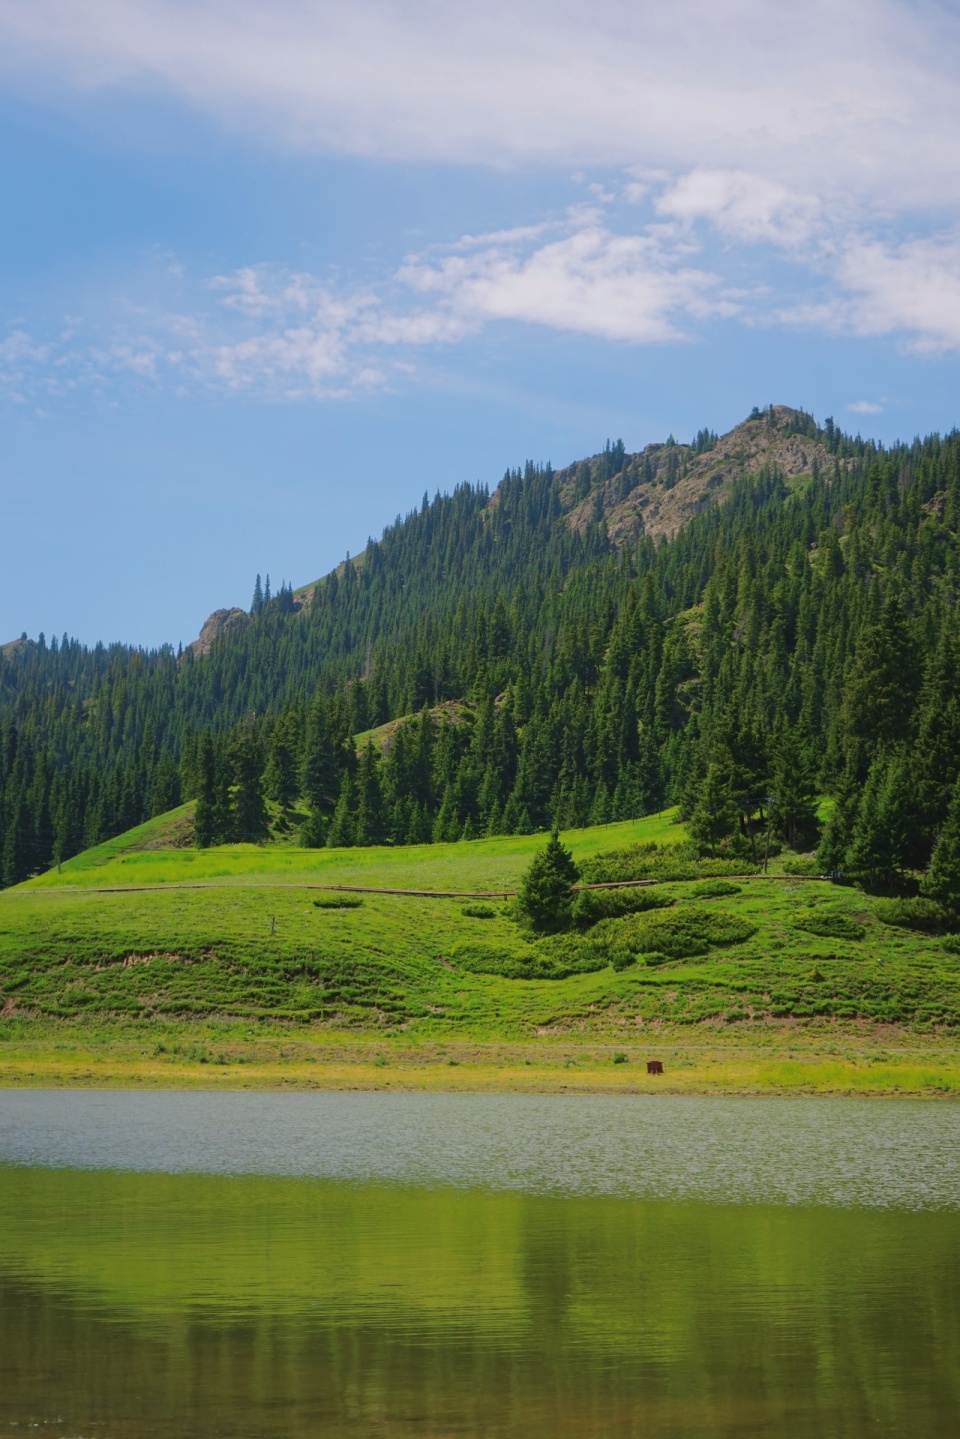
{"points": [[271, 272]]}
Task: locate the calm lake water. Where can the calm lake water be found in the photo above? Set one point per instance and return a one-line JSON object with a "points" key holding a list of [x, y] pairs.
{"points": [[403, 1265]]}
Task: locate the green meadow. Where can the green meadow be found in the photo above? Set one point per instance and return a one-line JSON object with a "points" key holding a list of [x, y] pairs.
{"points": [[139, 963]]}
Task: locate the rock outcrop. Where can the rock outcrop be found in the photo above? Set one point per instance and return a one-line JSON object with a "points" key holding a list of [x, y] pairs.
{"points": [[220, 623]]}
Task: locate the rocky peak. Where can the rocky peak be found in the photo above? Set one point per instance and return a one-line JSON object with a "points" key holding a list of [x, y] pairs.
{"points": [[220, 623], [659, 489]]}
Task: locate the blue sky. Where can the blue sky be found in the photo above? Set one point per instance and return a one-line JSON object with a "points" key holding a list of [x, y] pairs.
{"points": [[268, 273]]}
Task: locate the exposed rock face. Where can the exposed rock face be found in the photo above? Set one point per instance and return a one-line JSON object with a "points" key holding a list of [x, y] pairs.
{"points": [[656, 492], [672, 483], [220, 623]]}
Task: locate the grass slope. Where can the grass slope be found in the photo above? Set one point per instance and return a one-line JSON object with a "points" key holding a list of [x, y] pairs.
{"points": [[247, 980]]}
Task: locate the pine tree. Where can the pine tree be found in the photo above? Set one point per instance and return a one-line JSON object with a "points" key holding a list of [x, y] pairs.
{"points": [[545, 896], [321, 771], [342, 831], [942, 880], [371, 813], [794, 788], [714, 817], [250, 812], [282, 775], [205, 818], [881, 846]]}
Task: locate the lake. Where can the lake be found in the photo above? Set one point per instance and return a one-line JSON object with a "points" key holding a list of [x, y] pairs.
{"points": [[189, 1264]]}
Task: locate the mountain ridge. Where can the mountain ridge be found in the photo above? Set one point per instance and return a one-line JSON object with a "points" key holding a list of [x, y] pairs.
{"points": [[659, 489]]}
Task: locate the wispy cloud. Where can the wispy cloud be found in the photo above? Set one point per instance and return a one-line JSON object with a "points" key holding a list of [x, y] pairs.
{"points": [[829, 141], [865, 407], [742, 206], [861, 98], [909, 290], [269, 331], [586, 280]]}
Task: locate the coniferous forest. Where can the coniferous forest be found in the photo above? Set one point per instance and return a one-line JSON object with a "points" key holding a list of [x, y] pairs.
{"points": [[798, 640]]}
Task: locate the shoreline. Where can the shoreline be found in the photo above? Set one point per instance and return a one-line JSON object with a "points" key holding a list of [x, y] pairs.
{"points": [[879, 1061]]}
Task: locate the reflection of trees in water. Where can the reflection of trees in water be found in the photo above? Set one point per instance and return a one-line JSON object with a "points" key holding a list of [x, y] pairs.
{"points": [[548, 1261], [183, 1306]]}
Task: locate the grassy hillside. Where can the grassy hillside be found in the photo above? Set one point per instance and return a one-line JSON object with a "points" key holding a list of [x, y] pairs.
{"points": [[208, 976], [141, 856]]}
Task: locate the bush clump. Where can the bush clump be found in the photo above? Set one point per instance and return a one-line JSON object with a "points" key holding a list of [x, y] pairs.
{"points": [[340, 901], [683, 934], [479, 911], [923, 914], [553, 958], [592, 905], [653, 861], [830, 926], [715, 889], [803, 865]]}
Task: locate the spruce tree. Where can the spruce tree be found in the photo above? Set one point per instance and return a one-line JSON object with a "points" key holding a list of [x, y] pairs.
{"points": [[371, 812], [250, 812], [942, 880], [714, 816], [205, 818], [282, 774], [794, 788], [320, 778], [545, 896], [882, 845], [342, 831]]}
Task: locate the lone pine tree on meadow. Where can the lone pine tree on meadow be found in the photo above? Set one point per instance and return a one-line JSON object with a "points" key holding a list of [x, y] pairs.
{"points": [[545, 896]]}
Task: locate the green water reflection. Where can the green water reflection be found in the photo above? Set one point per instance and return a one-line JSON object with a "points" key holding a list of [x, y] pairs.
{"points": [[180, 1305]]}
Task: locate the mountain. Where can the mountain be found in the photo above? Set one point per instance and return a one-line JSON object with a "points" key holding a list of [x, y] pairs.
{"points": [[771, 612], [659, 489]]}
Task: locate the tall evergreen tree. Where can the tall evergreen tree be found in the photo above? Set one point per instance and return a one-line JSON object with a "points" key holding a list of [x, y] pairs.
{"points": [[942, 880], [545, 896]]}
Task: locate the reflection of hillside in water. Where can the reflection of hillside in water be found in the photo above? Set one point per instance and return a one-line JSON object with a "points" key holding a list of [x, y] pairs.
{"points": [[186, 1304]]}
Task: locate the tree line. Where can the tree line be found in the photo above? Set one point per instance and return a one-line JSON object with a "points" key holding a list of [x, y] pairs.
{"points": [[794, 642]]}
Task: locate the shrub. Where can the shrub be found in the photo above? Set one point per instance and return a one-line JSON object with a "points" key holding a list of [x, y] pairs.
{"points": [[830, 926], [922, 914], [951, 943], [683, 934], [340, 901], [619, 1057], [592, 905], [479, 911], [651, 861], [803, 865], [546, 959], [715, 889]]}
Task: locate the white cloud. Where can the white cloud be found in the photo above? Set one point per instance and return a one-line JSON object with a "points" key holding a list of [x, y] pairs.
{"points": [[264, 330], [741, 206], [860, 97], [270, 331], [724, 116], [587, 281], [911, 290]]}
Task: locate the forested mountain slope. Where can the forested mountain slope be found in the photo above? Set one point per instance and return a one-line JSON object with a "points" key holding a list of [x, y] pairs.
{"points": [[615, 635]]}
